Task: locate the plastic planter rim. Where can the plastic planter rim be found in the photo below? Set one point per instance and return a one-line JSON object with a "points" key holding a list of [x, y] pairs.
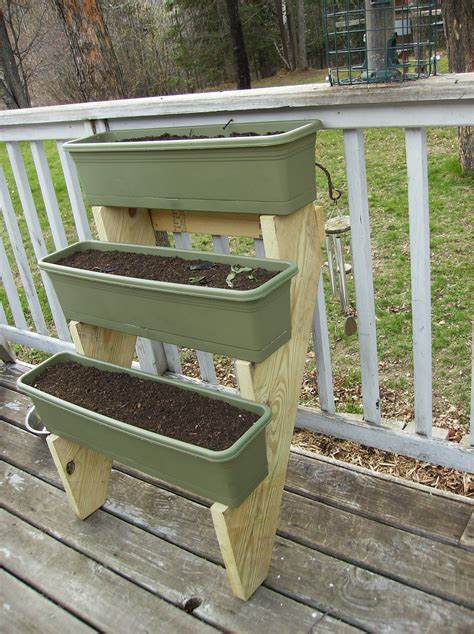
{"points": [[183, 447], [174, 288], [302, 129]]}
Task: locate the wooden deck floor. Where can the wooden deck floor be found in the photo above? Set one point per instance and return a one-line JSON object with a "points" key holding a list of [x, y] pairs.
{"points": [[354, 552]]}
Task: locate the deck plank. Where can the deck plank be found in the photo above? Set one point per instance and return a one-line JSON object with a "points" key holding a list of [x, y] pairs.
{"points": [[349, 592], [440, 569], [173, 573], [22, 609], [391, 503], [388, 502], [105, 600]]}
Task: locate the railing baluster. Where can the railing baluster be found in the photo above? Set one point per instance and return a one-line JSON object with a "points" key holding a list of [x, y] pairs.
{"points": [[419, 212], [205, 359], [75, 194], [362, 263], [36, 234], [322, 351], [259, 248], [21, 258], [11, 290], [49, 195], [221, 244]]}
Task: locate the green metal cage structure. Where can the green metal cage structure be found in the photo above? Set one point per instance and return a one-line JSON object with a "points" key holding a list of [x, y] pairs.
{"points": [[371, 41]]}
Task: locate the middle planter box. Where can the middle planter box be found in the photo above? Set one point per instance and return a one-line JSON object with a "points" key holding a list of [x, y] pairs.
{"points": [[245, 324]]}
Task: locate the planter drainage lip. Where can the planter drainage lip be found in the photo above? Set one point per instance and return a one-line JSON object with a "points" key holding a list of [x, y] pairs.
{"points": [[24, 385], [100, 142], [286, 269]]}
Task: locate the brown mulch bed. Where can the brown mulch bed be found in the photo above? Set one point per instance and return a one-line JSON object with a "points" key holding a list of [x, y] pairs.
{"points": [[418, 471]]}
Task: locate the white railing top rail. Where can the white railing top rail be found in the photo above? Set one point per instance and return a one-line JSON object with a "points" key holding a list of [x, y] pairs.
{"points": [[424, 103]]}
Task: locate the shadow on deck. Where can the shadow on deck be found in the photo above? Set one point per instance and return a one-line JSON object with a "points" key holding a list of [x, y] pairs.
{"points": [[355, 551]]}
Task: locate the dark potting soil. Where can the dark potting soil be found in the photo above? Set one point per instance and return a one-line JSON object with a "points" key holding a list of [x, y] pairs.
{"points": [[164, 409], [192, 137], [168, 269]]}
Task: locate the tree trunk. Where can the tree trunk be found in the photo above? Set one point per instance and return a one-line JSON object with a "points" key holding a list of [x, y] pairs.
{"points": [[458, 20], [97, 69], [238, 45], [13, 92], [302, 54], [283, 32]]}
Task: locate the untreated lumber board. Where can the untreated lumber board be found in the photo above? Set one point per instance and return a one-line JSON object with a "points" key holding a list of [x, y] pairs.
{"points": [[84, 473], [163, 568], [225, 224], [102, 343], [384, 501], [246, 533], [348, 592], [100, 597], [22, 609]]}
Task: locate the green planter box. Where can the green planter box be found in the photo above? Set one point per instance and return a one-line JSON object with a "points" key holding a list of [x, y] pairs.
{"points": [[247, 325], [226, 476], [264, 174]]}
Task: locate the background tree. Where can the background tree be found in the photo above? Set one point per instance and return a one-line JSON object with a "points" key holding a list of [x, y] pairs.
{"points": [[458, 18], [97, 69], [241, 62], [13, 91]]}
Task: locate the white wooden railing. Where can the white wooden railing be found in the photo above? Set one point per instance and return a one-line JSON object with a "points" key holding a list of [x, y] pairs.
{"points": [[439, 101]]}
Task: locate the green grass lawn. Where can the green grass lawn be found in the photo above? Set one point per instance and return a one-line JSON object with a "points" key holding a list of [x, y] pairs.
{"points": [[452, 202]]}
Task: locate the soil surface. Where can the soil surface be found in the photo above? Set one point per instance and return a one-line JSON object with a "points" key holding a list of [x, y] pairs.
{"points": [[193, 137], [181, 414], [169, 269]]}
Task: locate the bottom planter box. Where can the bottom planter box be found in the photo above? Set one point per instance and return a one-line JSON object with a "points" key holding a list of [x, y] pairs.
{"points": [[226, 476]]}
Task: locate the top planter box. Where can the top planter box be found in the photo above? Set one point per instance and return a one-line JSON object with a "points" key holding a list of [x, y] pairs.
{"points": [[266, 174]]}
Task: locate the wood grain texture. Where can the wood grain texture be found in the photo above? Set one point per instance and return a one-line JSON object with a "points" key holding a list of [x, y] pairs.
{"points": [[102, 343], [228, 224], [121, 224], [141, 554], [107, 601], [398, 503], [246, 534], [308, 575], [23, 609], [467, 537], [84, 473]]}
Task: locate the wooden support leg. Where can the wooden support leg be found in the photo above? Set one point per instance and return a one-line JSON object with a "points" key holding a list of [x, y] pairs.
{"points": [[84, 474], [246, 534], [6, 353]]}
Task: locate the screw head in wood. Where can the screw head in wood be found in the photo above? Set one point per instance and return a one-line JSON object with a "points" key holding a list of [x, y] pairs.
{"points": [[70, 467]]}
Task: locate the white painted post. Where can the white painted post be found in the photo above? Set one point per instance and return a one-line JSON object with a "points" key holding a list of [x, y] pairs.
{"points": [[36, 235], [362, 265], [221, 244], [419, 212], [21, 257], [11, 291], [49, 195], [259, 248], [75, 194], [323, 353]]}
